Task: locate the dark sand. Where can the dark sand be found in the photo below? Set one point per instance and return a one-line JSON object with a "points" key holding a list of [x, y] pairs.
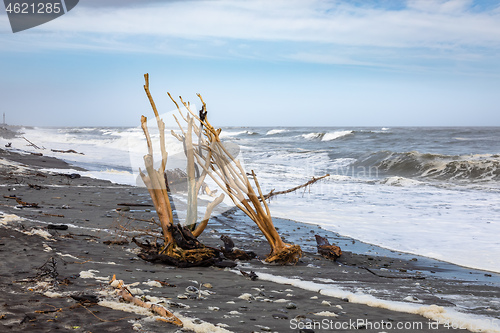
{"points": [[88, 207]]}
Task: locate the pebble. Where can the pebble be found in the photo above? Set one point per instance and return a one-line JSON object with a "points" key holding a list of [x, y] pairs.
{"points": [[291, 306], [279, 316], [192, 289]]}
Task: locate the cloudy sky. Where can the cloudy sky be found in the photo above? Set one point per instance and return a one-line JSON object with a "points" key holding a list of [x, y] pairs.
{"points": [[267, 63]]}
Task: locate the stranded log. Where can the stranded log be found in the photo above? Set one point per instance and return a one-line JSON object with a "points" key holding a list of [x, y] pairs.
{"points": [[326, 250]]}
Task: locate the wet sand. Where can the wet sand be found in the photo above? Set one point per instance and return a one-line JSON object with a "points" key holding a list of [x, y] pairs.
{"points": [[206, 299]]}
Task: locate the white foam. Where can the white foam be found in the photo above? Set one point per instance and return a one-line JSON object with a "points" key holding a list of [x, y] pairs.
{"points": [[443, 315], [88, 274], [39, 232], [439, 223], [203, 327], [401, 181], [8, 218], [326, 314]]}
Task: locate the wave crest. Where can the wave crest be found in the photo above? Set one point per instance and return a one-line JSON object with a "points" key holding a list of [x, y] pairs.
{"points": [[326, 136], [330, 136], [276, 131], [484, 167]]}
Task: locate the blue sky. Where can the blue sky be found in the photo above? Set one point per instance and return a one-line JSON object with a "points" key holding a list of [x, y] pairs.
{"points": [[259, 63]]}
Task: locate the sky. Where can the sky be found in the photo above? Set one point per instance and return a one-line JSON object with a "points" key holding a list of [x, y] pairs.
{"points": [[258, 63]]}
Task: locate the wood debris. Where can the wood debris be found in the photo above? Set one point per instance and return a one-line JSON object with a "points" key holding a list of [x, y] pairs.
{"points": [[165, 315]]}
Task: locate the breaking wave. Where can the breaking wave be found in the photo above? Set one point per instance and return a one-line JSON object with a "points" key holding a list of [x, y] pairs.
{"points": [[276, 131], [481, 167], [225, 134], [335, 135], [326, 136]]}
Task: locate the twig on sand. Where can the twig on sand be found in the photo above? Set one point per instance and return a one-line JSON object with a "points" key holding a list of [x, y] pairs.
{"points": [[411, 277]]}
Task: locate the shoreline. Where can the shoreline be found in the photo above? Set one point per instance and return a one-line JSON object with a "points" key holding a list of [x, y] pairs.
{"points": [[88, 207], [447, 269]]}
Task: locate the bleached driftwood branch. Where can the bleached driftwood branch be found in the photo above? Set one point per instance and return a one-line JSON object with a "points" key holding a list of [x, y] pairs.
{"points": [[194, 183], [155, 179], [230, 176]]}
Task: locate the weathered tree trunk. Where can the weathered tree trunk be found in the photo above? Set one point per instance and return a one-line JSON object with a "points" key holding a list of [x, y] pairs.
{"points": [[175, 246]]}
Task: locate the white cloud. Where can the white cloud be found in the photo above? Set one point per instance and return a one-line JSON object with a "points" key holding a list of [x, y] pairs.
{"points": [[216, 28], [423, 22], [441, 6]]}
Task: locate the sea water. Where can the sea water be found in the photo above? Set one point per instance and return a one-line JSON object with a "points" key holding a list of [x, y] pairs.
{"points": [[422, 190]]}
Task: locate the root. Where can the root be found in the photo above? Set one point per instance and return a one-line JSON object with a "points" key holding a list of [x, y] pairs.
{"points": [[290, 254]]}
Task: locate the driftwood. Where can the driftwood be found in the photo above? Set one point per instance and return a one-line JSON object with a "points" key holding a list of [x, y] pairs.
{"points": [[393, 277], [22, 203], [326, 250], [217, 162], [272, 193], [232, 253], [134, 205], [69, 151], [57, 226], [36, 187], [188, 251], [53, 215], [154, 178], [252, 276], [180, 243], [166, 284], [195, 180], [70, 175], [116, 242], [32, 144], [165, 315]]}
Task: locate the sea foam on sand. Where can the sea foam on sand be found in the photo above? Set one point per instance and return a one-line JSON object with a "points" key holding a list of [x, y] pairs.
{"points": [[443, 315]]}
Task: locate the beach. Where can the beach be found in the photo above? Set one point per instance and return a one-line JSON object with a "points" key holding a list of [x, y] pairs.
{"points": [[369, 288]]}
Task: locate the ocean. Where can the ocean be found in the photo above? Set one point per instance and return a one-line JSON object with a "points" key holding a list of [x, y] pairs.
{"points": [[429, 191]]}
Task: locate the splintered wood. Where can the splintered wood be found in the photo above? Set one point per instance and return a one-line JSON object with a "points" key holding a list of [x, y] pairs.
{"points": [[164, 314]]}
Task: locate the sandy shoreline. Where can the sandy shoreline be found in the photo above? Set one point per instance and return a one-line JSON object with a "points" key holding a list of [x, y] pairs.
{"points": [[314, 295]]}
